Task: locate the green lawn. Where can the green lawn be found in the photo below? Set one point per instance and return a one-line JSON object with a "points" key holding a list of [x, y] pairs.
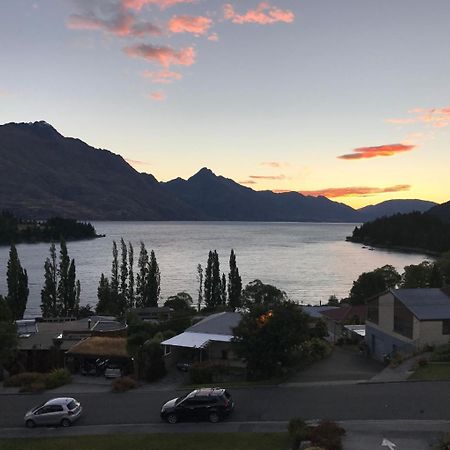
{"points": [[432, 372], [194, 441]]}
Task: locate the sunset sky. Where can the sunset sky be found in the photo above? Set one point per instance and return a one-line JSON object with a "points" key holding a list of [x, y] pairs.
{"points": [[344, 98]]}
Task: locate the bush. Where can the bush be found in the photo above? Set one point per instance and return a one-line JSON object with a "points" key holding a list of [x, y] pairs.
{"points": [[315, 349], [123, 384], [57, 378], [23, 379], [441, 353], [298, 432], [206, 372], [328, 435], [444, 443], [33, 388]]}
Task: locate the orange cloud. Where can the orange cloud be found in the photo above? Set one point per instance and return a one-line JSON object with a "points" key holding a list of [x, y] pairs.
{"points": [[381, 150], [213, 37], [162, 4], [247, 182], [158, 96], [267, 177], [190, 24], [436, 117], [359, 191], [264, 14], [274, 164], [164, 55], [121, 23], [163, 76]]}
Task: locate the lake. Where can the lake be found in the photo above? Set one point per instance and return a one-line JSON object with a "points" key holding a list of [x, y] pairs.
{"points": [[310, 261]]}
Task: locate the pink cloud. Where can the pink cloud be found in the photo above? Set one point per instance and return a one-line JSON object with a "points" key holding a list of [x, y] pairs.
{"points": [[267, 177], [274, 164], [162, 4], [121, 23], [190, 24], [381, 150], [214, 37], [264, 14], [158, 96], [164, 55], [352, 191], [436, 117], [136, 162], [163, 76]]}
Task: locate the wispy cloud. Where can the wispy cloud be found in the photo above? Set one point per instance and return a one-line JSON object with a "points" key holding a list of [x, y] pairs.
{"points": [[263, 14], [136, 162], [162, 4], [353, 191], [214, 37], [374, 152], [158, 96], [115, 19], [164, 55], [247, 182], [274, 164], [197, 25], [162, 76], [436, 117], [267, 177]]}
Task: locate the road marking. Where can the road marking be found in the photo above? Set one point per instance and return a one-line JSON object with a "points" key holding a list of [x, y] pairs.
{"points": [[388, 443]]}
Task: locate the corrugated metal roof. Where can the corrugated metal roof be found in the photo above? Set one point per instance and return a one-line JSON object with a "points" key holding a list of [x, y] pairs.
{"points": [[315, 311], [425, 303], [196, 340]]}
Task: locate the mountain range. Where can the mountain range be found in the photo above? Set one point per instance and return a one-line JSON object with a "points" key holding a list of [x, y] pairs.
{"points": [[44, 174]]}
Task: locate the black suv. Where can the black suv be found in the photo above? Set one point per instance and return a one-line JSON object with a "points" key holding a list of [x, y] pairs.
{"points": [[207, 403]]}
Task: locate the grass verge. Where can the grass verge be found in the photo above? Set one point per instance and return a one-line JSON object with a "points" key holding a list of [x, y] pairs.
{"points": [[194, 441], [432, 372]]}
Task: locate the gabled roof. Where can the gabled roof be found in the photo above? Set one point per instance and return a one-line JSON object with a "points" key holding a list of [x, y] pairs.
{"points": [[425, 303], [316, 311], [346, 312], [219, 323], [196, 340]]}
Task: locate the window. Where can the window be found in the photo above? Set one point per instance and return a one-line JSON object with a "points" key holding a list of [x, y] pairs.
{"points": [[403, 320], [372, 311], [446, 326], [167, 350]]}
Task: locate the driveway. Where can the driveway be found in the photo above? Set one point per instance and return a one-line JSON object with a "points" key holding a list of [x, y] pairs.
{"points": [[344, 364]]}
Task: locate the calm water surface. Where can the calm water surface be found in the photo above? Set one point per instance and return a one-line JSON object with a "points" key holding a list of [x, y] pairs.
{"points": [[309, 261]]}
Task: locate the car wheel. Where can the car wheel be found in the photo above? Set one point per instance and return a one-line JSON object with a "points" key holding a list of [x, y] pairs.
{"points": [[172, 418], [214, 417], [30, 423], [66, 423]]}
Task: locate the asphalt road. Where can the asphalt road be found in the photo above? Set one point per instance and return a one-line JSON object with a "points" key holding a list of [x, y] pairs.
{"points": [[414, 400]]}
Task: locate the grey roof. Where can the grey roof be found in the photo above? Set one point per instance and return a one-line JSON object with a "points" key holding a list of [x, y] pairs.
{"points": [[219, 323], [315, 311], [425, 304], [112, 325]]}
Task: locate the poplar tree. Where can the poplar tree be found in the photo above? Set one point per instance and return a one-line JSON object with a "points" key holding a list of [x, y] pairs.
{"points": [[234, 284], [67, 284], [123, 288], [153, 281], [130, 296], [200, 286], [114, 285], [212, 284], [141, 278], [208, 282], [104, 305], [223, 290], [49, 293], [17, 282]]}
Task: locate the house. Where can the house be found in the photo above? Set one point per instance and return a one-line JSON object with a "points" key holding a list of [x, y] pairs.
{"points": [[43, 343], [209, 339], [337, 318], [407, 319]]}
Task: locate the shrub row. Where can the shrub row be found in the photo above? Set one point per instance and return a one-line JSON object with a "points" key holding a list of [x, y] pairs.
{"points": [[123, 384], [36, 382], [326, 435], [206, 372]]}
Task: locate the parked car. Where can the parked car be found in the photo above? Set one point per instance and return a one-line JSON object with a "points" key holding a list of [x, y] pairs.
{"points": [[57, 411], [113, 372], [211, 404]]}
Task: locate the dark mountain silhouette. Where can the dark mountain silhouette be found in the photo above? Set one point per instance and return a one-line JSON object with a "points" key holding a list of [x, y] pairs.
{"points": [[391, 207], [43, 174], [441, 211], [223, 199]]}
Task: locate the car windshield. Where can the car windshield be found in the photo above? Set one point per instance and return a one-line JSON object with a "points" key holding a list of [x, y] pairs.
{"points": [[37, 407], [180, 399], [72, 405]]}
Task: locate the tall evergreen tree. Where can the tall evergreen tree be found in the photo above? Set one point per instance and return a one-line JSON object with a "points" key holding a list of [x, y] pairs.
{"points": [[208, 282], [115, 273], [67, 283], [223, 290], [234, 284], [212, 284], [130, 296], [141, 278], [216, 281], [153, 281], [123, 288], [49, 293], [17, 282], [73, 291], [104, 305], [200, 286]]}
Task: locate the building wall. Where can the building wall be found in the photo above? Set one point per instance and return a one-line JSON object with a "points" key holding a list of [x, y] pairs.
{"points": [[386, 312], [431, 333], [382, 343]]}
